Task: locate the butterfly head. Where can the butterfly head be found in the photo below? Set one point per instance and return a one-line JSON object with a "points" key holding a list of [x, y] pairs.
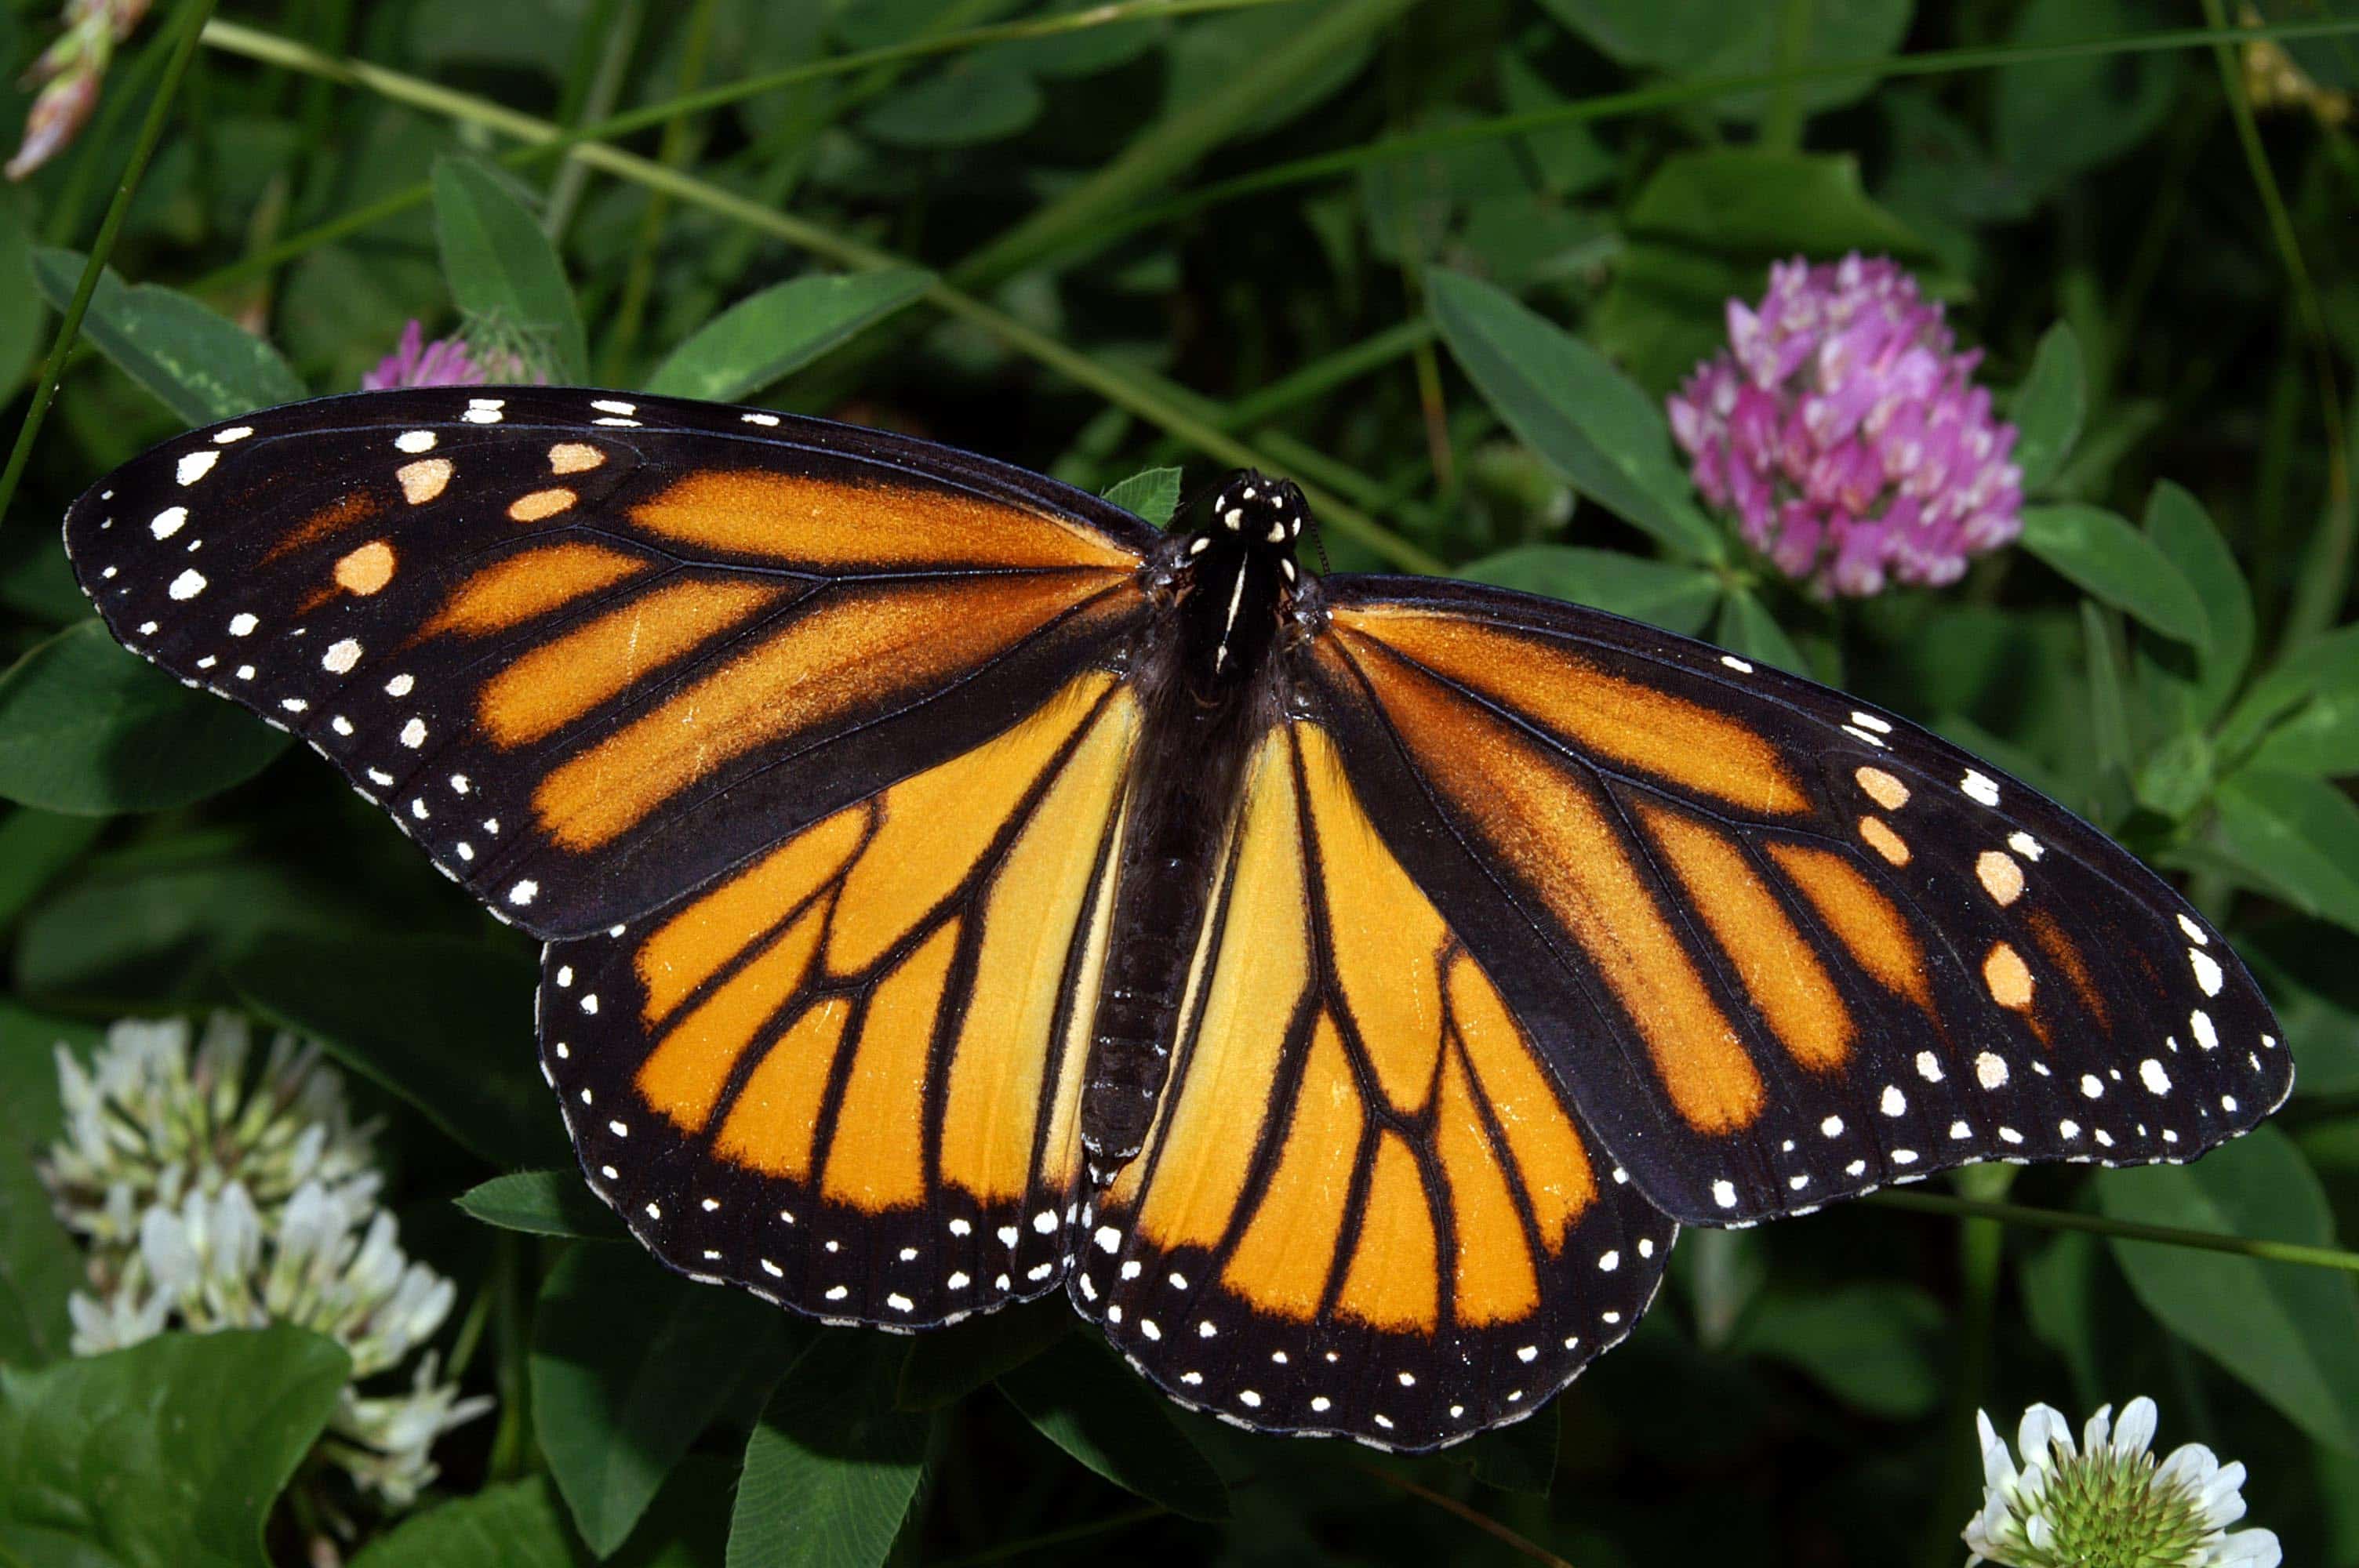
{"points": [[1239, 569]]}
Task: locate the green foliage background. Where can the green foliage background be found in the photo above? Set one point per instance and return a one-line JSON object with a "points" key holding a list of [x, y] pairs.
{"points": [[1439, 260]]}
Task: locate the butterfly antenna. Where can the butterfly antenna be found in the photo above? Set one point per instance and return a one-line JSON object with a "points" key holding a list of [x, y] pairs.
{"points": [[1319, 543]]}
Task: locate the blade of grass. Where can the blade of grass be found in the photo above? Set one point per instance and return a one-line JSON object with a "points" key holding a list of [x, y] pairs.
{"points": [[2102, 1224], [623, 19], [191, 20], [679, 142], [1149, 397]]}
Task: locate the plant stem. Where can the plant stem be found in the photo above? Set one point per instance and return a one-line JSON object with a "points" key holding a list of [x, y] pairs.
{"points": [[2257, 1247], [1781, 131], [192, 21]]}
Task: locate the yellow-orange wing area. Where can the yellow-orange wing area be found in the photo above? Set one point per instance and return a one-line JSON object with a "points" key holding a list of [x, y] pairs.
{"points": [[847, 1075], [1365, 1206], [1782, 948], [589, 651]]}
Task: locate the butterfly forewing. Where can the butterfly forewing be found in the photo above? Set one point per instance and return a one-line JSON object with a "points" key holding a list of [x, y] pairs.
{"points": [[592, 652], [1366, 1206], [1782, 948]]}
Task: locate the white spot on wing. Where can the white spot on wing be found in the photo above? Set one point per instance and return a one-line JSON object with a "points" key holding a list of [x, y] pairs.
{"points": [[194, 466]]}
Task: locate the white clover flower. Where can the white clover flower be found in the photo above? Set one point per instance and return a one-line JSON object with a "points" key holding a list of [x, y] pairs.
{"points": [[209, 1203], [2105, 1503]]}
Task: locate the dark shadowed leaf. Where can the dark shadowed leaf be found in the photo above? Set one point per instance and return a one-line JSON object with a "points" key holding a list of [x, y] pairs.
{"points": [[35, 846], [1091, 1407], [1152, 495], [501, 268], [158, 921], [20, 303], [773, 333], [1871, 1345], [629, 1365], [833, 1466], [520, 1524], [2048, 406], [201, 366], [2099, 551], [2290, 1333], [949, 1364], [1574, 408], [164, 1455], [2296, 836], [446, 1024], [1662, 593], [90, 728], [1520, 1457], [543, 1203], [2057, 118]]}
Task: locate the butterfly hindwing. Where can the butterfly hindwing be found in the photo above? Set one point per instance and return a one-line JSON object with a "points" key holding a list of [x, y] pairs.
{"points": [[847, 1075], [1365, 1206], [591, 651], [1782, 948]]}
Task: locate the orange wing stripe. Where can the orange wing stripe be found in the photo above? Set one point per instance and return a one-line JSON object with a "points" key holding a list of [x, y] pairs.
{"points": [[1868, 924], [1395, 1279], [1386, 936], [696, 944], [876, 1160], [567, 677], [684, 1074], [1008, 1040], [1552, 830], [826, 524], [1494, 1279], [1282, 1262], [511, 591], [770, 1126], [1258, 976], [1606, 715], [1780, 971], [854, 649], [2065, 953], [933, 828], [1549, 1153]]}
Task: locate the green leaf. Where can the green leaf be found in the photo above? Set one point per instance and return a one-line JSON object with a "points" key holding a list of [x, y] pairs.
{"points": [[2324, 668], [88, 727], [971, 104], [2177, 775], [1869, 1346], [501, 268], [2290, 1333], [629, 1366], [2057, 118], [167, 1454], [1711, 38], [2099, 551], [2297, 837], [513, 1526], [1573, 408], [201, 366], [1150, 494], [833, 1466], [1110, 1421], [1677, 598], [446, 1024], [949, 1364], [35, 846], [543, 1203], [1747, 629], [2184, 532], [2047, 407], [158, 922], [778, 331]]}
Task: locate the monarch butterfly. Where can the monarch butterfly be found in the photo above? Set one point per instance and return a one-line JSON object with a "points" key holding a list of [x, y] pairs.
{"points": [[955, 890]]}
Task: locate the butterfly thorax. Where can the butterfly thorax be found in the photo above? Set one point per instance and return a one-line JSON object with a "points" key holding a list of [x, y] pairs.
{"points": [[1209, 684]]}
